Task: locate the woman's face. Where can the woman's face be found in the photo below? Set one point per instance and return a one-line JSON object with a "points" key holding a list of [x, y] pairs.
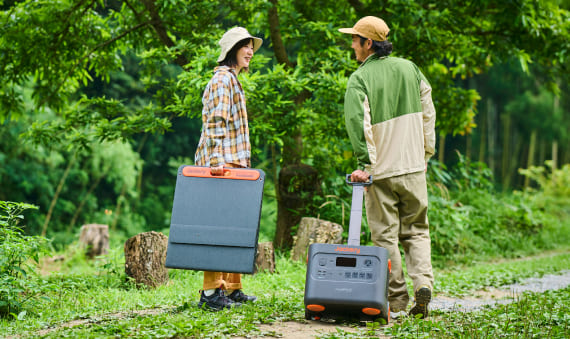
{"points": [[244, 56]]}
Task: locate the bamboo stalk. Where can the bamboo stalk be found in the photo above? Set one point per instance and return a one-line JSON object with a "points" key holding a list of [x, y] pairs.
{"points": [[56, 195], [530, 160]]}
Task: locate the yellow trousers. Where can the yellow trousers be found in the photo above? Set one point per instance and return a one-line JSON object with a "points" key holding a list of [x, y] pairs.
{"points": [[225, 281]]}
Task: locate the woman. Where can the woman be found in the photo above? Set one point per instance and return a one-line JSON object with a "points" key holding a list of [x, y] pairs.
{"points": [[225, 143]]}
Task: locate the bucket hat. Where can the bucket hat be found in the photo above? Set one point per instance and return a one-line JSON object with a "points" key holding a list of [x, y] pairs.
{"points": [[369, 27], [232, 37]]}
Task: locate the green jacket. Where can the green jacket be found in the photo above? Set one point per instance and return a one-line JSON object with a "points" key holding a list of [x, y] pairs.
{"points": [[390, 117]]}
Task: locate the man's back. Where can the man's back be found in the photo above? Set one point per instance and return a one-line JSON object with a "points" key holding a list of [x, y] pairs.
{"points": [[383, 108], [392, 86]]}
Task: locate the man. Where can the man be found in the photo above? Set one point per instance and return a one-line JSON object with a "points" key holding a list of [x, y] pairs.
{"points": [[390, 119]]}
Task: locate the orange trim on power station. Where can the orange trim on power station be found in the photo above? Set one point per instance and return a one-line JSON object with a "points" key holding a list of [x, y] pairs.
{"points": [[315, 308], [390, 265], [370, 311], [229, 173]]}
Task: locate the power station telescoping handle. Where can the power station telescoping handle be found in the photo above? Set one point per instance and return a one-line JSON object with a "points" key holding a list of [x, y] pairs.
{"points": [[356, 210]]}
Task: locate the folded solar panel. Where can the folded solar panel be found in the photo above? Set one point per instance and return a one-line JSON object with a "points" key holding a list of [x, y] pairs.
{"points": [[215, 220]]}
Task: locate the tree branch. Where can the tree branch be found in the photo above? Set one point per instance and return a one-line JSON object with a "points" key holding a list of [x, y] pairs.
{"points": [[161, 30], [86, 55]]}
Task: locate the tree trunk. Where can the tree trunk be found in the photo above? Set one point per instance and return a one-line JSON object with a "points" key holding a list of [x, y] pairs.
{"points": [[145, 255], [541, 151], [265, 258], [118, 207], [56, 195], [513, 163], [469, 145], [292, 197], [482, 138], [297, 186], [554, 155], [95, 239], [555, 106], [441, 151], [530, 160], [505, 168], [313, 230], [82, 203], [491, 133], [275, 34]]}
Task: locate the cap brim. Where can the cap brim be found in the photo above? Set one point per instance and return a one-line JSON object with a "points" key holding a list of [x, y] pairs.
{"points": [[347, 30]]}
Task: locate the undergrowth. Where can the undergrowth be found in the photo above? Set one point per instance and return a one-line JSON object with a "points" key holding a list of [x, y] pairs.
{"points": [[532, 315]]}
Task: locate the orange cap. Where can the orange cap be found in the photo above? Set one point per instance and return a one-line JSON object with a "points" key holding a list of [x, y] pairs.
{"points": [[369, 27]]}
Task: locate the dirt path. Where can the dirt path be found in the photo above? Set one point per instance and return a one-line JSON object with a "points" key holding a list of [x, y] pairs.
{"points": [[491, 296]]}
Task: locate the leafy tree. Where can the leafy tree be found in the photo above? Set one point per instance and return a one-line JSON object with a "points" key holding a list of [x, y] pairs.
{"points": [[295, 92]]}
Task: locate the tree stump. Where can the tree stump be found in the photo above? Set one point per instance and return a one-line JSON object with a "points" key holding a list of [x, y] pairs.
{"points": [[313, 230], [94, 238], [265, 258], [145, 254]]}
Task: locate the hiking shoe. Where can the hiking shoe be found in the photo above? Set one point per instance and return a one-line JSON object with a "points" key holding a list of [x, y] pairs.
{"points": [[240, 297], [217, 301], [421, 300]]}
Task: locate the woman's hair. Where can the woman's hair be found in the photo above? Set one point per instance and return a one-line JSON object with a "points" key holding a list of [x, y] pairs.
{"points": [[381, 48], [231, 58]]}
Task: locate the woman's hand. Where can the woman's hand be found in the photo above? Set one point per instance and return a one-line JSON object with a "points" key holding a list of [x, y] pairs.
{"points": [[218, 170]]}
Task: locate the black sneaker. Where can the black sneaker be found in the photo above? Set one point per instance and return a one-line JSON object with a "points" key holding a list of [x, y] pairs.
{"points": [[240, 297], [217, 301], [421, 300]]}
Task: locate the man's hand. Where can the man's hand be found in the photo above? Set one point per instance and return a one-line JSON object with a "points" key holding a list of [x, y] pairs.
{"points": [[359, 176], [218, 170]]}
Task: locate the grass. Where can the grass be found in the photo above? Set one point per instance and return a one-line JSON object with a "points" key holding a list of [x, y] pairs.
{"points": [[533, 315], [103, 304]]}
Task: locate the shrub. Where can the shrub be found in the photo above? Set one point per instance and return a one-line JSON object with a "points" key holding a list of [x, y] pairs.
{"points": [[17, 252]]}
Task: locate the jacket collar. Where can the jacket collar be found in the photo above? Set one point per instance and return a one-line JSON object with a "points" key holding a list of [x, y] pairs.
{"points": [[371, 58]]}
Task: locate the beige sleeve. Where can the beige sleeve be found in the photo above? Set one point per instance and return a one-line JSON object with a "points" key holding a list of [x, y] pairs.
{"points": [[428, 113]]}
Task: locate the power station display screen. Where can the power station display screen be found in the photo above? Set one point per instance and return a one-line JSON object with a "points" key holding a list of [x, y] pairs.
{"points": [[345, 262]]}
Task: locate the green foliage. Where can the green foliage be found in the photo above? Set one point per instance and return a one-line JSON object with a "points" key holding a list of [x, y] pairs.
{"points": [[18, 288], [466, 212], [532, 315], [77, 76], [464, 175], [554, 185]]}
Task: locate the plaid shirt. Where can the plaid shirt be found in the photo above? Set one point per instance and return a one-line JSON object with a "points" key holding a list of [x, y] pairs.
{"points": [[225, 133]]}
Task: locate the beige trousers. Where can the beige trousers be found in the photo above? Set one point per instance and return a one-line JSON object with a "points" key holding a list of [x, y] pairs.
{"points": [[396, 209]]}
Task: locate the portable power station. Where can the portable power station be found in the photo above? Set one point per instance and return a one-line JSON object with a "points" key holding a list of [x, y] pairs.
{"points": [[348, 280]]}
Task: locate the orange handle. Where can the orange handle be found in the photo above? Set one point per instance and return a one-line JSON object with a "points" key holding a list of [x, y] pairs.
{"points": [[229, 173]]}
